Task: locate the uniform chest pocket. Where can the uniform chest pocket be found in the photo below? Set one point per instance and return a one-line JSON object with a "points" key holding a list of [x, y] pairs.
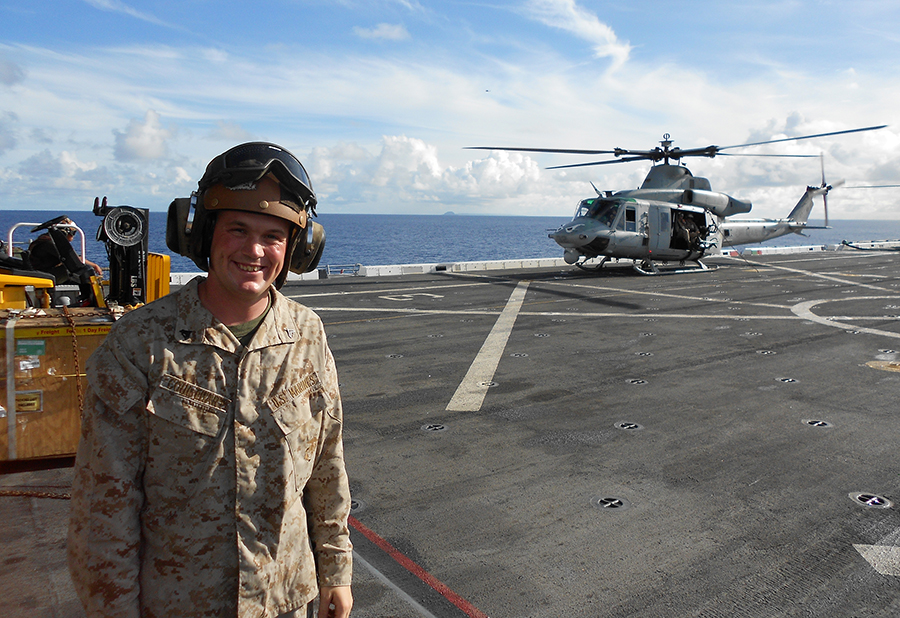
{"points": [[299, 423], [188, 405], [294, 416]]}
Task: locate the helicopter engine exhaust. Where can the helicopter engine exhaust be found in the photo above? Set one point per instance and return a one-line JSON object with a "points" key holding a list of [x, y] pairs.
{"points": [[720, 204]]}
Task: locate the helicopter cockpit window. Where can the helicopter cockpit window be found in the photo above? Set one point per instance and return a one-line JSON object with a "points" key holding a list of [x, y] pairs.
{"points": [[605, 212], [584, 207], [602, 210]]}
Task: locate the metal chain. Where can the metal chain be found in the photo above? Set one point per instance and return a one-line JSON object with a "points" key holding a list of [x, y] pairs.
{"points": [[83, 313], [33, 493], [77, 372]]}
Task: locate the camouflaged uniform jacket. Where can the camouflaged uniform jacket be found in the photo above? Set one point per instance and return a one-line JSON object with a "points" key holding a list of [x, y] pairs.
{"points": [[201, 462]]}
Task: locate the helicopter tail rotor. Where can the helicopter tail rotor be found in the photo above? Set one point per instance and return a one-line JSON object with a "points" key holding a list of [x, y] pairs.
{"points": [[827, 187], [824, 186]]}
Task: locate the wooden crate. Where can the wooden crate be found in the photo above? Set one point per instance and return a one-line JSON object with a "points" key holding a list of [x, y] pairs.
{"points": [[42, 395]]}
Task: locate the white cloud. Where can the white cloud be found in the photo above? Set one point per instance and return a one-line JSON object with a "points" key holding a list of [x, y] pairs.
{"points": [[406, 174], [10, 73], [115, 6], [41, 166], [8, 122], [412, 5], [182, 177], [142, 140], [385, 132], [567, 15], [65, 171], [387, 32], [230, 132]]}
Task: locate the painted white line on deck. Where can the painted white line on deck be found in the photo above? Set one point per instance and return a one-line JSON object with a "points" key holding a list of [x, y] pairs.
{"points": [[842, 279], [471, 392], [375, 290], [884, 559], [573, 315], [397, 590], [804, 310]]}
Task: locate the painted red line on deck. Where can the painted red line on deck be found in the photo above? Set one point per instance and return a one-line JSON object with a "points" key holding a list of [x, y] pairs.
{"points": [[438, 586]]}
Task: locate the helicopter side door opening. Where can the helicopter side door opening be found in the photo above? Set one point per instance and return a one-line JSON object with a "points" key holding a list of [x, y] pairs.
{"points": [[688, 230]]}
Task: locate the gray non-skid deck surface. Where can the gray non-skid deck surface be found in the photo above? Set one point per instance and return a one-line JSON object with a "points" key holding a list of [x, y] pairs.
{"points": [[550, 443]]}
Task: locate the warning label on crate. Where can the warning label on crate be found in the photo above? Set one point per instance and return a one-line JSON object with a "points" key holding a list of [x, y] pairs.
{"points": [[29, 363], [31, 347], [30, 401]]}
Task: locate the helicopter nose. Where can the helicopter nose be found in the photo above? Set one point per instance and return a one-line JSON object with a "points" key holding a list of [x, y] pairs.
{"points": [[571, 236]]}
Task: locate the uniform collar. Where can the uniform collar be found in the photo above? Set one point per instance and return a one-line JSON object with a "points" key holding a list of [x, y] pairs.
{"points": [[196, 325]]}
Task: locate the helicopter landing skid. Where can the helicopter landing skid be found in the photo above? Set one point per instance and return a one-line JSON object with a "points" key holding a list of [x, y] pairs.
{"points": [[592, 268], [648, 267]]}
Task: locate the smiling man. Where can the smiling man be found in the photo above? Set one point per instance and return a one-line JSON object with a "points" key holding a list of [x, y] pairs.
{"points": [[210, 477], [246, 255]]}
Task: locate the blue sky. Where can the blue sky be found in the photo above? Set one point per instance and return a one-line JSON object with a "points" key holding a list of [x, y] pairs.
{"points": [[378, 98]]}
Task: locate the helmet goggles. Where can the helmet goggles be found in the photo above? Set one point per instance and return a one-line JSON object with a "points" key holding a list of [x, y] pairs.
{"points": [[251, 161]]}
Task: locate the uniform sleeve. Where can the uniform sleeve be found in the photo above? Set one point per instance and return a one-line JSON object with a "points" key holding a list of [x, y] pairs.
{"points": [[327, 496], [107, 497]]}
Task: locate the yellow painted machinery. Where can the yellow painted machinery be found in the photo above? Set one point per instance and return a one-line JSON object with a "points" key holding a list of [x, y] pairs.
{"points": [[45, 347]]}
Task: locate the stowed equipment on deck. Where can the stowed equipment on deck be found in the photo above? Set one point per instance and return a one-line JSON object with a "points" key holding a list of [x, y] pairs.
{"points": [[45, 342]]}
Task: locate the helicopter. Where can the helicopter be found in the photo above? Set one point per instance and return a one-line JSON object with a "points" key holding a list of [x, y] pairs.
{"points": [[674, 216]]}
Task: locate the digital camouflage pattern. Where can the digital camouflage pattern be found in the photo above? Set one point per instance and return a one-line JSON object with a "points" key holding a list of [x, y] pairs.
{"points": [[201, 462]]}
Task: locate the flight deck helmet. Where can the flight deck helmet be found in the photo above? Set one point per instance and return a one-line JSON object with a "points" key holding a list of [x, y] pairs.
{"points": [[256, 177]]}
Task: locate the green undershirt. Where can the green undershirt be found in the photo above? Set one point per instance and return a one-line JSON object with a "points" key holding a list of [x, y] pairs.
{"points": [[244, 332]]}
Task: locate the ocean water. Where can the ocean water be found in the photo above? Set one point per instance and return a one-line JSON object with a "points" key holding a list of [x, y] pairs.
{"points": [[373, 240], [355, 239]]}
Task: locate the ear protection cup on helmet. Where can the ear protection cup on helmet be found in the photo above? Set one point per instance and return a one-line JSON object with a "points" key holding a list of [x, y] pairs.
{"points": [[200, 238], [308, 250], [177, 226], [187, 237]]}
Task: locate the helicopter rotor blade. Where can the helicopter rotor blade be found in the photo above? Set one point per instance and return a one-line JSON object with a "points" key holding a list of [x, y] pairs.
{"points": [[610, 161], [555, 150], [665, 154], [793, 139], [825, 198], [780, 156], [825, 186], [677, 153], [828, 188], [873, 187]]}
